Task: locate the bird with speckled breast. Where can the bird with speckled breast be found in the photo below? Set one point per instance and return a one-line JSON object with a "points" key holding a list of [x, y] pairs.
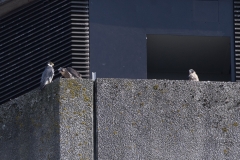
{"points": [[47, 75], [193, 76]]}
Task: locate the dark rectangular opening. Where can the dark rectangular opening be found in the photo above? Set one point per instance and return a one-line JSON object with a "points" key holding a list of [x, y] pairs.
{"points": [[170, 57]]}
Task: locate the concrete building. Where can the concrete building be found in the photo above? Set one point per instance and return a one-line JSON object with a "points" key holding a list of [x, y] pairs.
{"points": [[154, 39]]}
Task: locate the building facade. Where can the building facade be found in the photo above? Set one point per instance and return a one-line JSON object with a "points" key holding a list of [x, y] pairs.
{"points": [[118, 39], [150, 38]]}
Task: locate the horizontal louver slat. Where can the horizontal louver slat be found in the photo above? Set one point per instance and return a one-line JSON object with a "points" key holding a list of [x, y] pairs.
{"points": [[80, 36], [236, 8]]}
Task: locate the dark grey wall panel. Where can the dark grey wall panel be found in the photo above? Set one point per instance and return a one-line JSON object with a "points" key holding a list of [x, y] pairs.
{"points": [[206, 11], [3, 1], [170, 120], [119, 28], [170, 57]]}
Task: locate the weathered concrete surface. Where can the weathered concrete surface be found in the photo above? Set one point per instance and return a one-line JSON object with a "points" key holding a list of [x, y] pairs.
{"points": [[56, 123], [168, 120]]}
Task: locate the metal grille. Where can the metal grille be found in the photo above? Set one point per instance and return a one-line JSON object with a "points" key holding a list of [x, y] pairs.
{"points": [[3, 1], [80, 36], [237, 37], [40, 32]]}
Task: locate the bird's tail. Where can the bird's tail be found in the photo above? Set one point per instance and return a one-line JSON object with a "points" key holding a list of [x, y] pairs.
{"points": [[42, 86]]}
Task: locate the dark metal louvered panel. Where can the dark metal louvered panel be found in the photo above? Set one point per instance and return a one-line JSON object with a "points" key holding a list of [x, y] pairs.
{"points": [[3, 1], [35, 34], [80, 36], [237, 37]]}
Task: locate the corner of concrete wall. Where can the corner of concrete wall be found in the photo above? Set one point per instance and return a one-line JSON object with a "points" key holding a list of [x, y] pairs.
{"points": [[55, 123], [76, 119]]}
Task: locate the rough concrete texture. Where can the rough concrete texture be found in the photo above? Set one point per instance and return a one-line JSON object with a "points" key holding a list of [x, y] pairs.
{"points": [[168, 120], [53, 124]]}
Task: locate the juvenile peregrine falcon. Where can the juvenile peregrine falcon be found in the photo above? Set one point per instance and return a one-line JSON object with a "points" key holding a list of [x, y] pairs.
{"points": [[47, 75], [69, 72], [192, 75]]}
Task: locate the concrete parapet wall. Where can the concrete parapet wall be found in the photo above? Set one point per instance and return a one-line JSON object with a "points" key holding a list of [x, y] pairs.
{"points": [[135, 119], [56, 123], [163, 119]]}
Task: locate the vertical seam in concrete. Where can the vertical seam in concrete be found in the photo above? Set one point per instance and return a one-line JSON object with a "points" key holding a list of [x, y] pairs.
{"points": [[95, 146]]}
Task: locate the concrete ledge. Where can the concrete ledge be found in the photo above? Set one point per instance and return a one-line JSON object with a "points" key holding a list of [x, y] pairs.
{"points": [[136, 119], [163, 119], [11, 5], [56, 123]]}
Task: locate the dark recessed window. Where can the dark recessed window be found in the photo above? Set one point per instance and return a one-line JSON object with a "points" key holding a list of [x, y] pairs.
{"points": [[170, 57]]}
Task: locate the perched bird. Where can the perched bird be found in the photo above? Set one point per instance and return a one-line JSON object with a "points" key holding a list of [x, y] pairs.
{"points": [[69, 72], [192, 75], [47, 75]]}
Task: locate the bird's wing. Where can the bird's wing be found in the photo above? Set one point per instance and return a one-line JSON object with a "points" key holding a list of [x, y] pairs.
{"points": [[196, 76], [191, 77], [47, 74], [73, 72], [43, 79], [44, 75], [52, 72]]}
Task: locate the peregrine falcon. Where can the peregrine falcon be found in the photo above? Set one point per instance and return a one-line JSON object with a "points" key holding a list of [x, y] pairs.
{"points": [[47, 75], [69, 72], [192, 75]]}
